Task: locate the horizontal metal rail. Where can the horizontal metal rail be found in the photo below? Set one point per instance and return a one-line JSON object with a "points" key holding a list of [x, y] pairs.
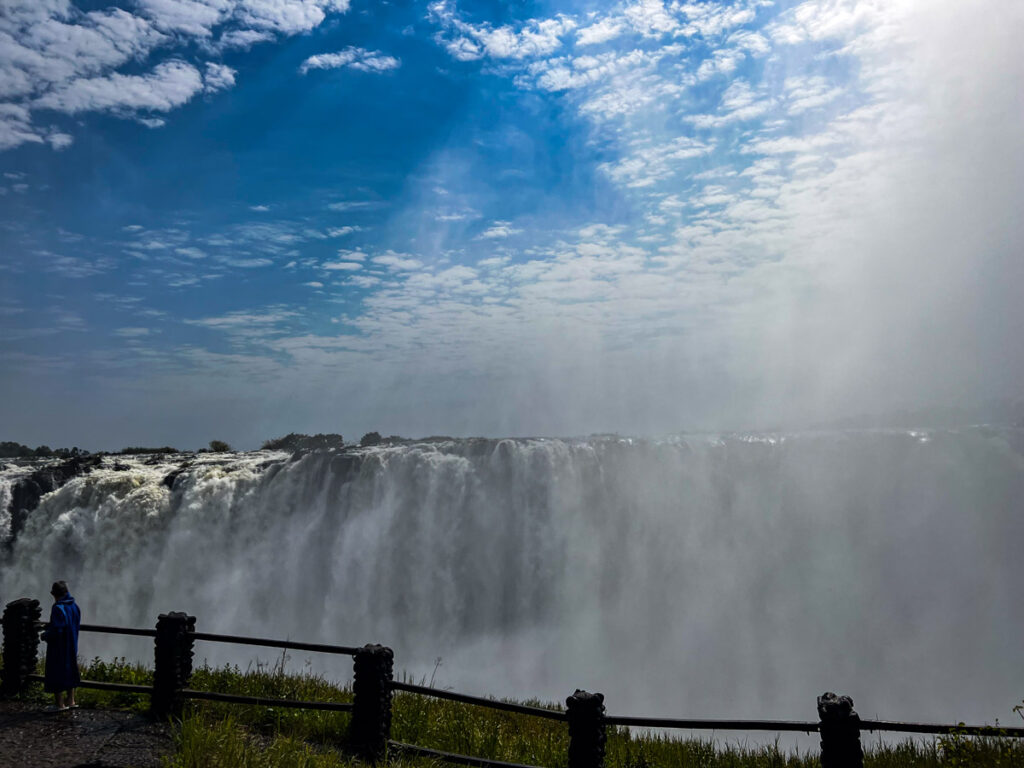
{"points": [[718, 725], [118, 630], [964, 730], [808, 727], [106, 629], [451, 757], [261, 701], [230, 698], [347, 650], [522, 709], [98, 686]]}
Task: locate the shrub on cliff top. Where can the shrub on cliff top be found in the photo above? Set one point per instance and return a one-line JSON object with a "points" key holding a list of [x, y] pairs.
{"points": [[296, 441], [371, 438]]}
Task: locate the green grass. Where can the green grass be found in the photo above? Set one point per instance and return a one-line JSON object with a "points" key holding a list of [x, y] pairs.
{"points": [[215, 734], [225, 743]]}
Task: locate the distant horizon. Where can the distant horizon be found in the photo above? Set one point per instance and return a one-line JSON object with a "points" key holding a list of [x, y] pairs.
{"points": [[1003, 413]]}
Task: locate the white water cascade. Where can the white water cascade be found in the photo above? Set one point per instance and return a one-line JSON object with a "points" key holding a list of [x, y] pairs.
{"points": [[731, 576]]}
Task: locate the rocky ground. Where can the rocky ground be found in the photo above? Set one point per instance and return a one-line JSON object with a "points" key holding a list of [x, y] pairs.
{"points": [[82, 738]]}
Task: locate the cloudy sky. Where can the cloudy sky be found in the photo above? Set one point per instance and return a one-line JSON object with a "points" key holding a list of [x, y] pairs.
{"points": [[240, 218]]}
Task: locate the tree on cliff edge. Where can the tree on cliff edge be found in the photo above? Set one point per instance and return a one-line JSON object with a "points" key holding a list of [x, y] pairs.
{"points": [[371, 438], [219, 446]]}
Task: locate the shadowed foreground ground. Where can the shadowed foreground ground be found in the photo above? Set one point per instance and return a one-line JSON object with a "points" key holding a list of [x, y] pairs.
{"points": [[95, 738]]}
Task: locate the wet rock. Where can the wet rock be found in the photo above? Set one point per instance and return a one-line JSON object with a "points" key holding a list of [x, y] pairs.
{"points": [[26, 493], [346, 464], [168, 481]]}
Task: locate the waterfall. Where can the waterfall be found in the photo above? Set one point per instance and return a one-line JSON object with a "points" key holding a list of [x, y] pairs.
{"points": [[713, 576]]}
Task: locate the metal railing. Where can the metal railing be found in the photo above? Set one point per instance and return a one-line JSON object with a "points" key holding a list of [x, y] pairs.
{"points": [[373, 685]]}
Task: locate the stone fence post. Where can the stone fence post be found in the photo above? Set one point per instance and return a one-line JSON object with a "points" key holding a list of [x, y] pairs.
{"points": [[173, 663], [585, 713], [370, 726], [21, 645], [839, 727]]}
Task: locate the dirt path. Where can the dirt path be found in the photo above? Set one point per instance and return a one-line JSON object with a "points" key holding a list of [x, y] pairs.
{"points": [[82, 738]]}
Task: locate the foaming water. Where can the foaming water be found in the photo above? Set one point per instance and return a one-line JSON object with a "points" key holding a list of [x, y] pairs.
{"points": [[734, 576]]}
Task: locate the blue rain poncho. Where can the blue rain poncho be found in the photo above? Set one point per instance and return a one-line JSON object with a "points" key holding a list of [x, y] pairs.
{"points": [[61, 636]]}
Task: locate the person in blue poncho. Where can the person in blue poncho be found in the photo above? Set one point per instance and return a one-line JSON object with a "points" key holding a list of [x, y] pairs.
{"points": [[61, 636]]}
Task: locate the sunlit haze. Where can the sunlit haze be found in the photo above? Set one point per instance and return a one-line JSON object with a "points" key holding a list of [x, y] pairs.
{"points": [[234, 219]]}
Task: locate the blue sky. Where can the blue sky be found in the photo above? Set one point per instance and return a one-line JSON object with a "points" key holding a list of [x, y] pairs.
{"points": [[238, 218]]}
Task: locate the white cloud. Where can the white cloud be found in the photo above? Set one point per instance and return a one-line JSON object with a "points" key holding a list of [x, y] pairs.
{"points": [[351, 255], [16, 127], [132, 332], [612, 85], [55, 56], [356, 205], [839, 20], [647, 161], [397, 262], [500, 230], [805, 92], [252, 263], [287, 17], [724, 61], [59, 140], [467, 42], [353, 58], [364, 281], [567, 73], [738, 103], [650, 18], [73, 267], [601, 31], [797, 144], [252, 324], [715, 19], [349, 266], [275, 237], [752, 42], [218, 77], [69, 44], [242, 39], [195, 18], [167, 86]]}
